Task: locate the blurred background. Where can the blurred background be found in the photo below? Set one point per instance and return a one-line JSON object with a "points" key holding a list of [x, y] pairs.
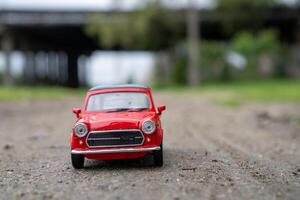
{"points": [[227, 70], [158, 42]]}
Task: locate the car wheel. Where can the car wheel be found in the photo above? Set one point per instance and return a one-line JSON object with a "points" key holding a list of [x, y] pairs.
{"points": [[77, 161], [158, 157]]}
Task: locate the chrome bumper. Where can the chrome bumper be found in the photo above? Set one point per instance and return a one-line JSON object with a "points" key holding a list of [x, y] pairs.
{"points": [[118, 150]]}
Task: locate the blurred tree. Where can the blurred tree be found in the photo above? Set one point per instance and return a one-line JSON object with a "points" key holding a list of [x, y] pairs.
{"points": [[248, 43], [211, 59], [193, 32], [244, 4], [152, 28], [179, 71], [243, 14], [261, 50]]}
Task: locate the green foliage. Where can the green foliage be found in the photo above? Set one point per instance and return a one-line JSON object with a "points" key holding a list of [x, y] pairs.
{"points": [[254, 47], [243, 14], [276, 90], [151, 28], [212, 57], [235, 93], [244, 4], [179, 71], [1, 77], [263, 43], [248, 44], [211, 60], [244, 43], [18, 93], [284, 58], [211, 52], [110, 30]]}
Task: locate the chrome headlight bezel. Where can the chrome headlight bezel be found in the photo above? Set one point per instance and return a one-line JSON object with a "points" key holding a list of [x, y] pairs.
{"points": [[148, 126], [80, 130]]}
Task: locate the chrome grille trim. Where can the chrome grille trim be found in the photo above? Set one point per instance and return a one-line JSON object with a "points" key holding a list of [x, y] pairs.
{"points": [[122, 130], [118, 150]]}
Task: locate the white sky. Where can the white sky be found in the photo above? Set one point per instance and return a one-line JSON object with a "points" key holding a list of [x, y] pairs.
{"points": [[89, 4], [96, 4], [106, 67]]}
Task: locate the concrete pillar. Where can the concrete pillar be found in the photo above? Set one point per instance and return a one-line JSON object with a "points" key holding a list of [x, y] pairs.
{"points": [[193, 44], [56, 69], [73, 80], [163, 67], [82, 70], [29, 68], [52, 66], [63, 65], [7, 48], [47, 67], [40, 65]]}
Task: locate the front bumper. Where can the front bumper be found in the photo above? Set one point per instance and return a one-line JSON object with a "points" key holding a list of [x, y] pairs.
{"points": [[118, 150]]}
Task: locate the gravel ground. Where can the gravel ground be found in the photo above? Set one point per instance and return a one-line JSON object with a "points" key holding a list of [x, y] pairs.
{"points": [[211, 152]]}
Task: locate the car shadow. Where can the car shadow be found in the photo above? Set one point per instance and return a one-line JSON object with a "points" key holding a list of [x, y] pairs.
{"points": [[141, 163], [173, 159]]}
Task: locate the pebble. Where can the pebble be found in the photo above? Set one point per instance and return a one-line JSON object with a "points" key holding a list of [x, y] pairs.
{"points": [[8, 146]]}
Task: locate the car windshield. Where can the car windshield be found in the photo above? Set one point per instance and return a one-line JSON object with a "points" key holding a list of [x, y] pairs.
{"points": [[118, 101]]}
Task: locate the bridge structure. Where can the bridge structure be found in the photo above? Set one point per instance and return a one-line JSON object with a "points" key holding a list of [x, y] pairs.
{"points": [[53, 42], [53, 39]]}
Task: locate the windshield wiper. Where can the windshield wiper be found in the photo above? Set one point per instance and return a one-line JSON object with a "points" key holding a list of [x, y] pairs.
{"points": [[118, 110], [137, 109]]}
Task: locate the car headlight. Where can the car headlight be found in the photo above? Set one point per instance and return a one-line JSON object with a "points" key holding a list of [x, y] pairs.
{"points": [[80, 130], [148, 127]]}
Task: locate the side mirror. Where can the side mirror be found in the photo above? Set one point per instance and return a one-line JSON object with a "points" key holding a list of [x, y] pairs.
{"points": [[77, 112], [160, 109]]}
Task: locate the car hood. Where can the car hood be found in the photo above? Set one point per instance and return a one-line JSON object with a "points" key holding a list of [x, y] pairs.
{"points": [[116, 120]]}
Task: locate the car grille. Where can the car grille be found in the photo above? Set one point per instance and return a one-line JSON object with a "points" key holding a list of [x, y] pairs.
{"points": [[115, 138]]}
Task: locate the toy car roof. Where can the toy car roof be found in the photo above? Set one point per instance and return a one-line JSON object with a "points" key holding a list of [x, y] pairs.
{"points": [[101, 87]]}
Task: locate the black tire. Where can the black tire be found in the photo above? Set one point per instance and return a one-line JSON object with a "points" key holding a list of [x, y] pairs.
{"points": [[77, 161], [158, 157]]}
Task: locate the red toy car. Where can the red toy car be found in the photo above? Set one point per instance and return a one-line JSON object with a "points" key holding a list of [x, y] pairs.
{"points": [[117, 122]]}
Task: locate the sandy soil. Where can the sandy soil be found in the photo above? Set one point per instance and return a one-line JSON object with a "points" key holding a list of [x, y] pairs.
{"points": [[211, 152]]}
